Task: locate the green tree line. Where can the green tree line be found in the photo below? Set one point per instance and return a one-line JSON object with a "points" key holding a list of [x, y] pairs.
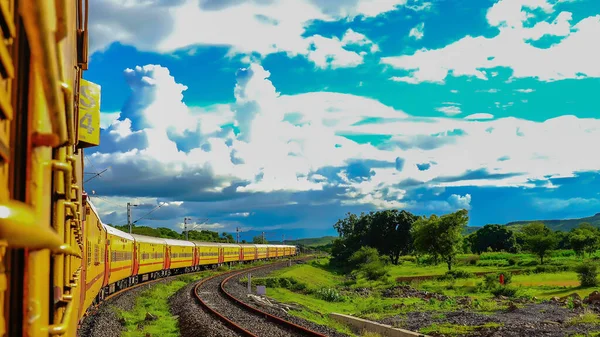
{"points": [[395, 233]]}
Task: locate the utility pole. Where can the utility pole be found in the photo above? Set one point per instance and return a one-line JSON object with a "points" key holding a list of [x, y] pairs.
{"points": [[263, 237], [129, 205], [185, 226], [237, 235]]}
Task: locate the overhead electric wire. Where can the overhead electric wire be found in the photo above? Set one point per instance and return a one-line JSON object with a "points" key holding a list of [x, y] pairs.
{"points": [[154, 209]]}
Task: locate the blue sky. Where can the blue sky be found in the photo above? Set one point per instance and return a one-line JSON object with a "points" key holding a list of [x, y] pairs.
{"points": [[283, 115]]}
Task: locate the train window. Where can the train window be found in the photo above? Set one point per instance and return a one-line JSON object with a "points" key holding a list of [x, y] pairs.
{"points": [[96, 255], [89, 254]]}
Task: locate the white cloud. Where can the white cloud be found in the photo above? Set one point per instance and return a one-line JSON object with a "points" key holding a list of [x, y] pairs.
{"points": [[418, 31], [262, 27], [481, 115], [573, 57], [554, 204], [107, 118], [290, 143], [525, 91], [450, 109]]}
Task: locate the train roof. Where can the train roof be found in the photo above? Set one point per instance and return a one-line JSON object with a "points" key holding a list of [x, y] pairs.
{"points": [[248, 245], [148, 239], [206, 244], [172, 242], [116, 232], [89, 201], [223, 244]]}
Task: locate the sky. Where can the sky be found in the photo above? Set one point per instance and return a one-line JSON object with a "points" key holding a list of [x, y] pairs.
{"points": [[283, 115]]}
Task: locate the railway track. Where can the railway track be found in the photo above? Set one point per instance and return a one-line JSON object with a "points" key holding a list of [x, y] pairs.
{"points": [[244, 319]]}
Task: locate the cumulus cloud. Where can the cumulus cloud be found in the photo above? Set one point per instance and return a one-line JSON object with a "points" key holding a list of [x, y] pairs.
{"points": [[480, 115], [512, 48], [246, 27], [268, 150], [418, 31]]}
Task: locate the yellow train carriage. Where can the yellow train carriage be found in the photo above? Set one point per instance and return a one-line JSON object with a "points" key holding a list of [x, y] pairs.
{"points": [[293, 250], [150, 255], [208, 253], [231, 252], [120, 257], [248, 252], [180, 254], [279, 250], [261, 252], [287, 251], [94, 257], [271, 251]]}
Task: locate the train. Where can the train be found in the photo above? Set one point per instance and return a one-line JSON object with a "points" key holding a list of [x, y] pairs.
{"points": [[57, 258], [117, 260]]}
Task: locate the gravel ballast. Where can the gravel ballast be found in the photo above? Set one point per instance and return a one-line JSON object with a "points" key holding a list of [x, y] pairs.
{"points": [[240, 292]]}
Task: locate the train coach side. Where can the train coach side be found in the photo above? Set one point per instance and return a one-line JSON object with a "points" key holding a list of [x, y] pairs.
{"points": [[94, 257], [180, 255], [248, 252], [261, 252], [150, 253], [208, 253], [119, 266], [231, 252]]}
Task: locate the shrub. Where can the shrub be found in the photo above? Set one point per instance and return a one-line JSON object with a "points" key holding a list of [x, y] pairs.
{"points": [[491, 281], [329, 295], [298, 287], [272, 282], [549, 269], [285, 283], [456, 274], [513, 261], [587, 275], [504, 291], [366, 261], [408, 258]]}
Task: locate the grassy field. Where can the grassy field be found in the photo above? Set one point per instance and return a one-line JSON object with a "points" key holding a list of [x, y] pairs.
{"points": [[320, 289]]}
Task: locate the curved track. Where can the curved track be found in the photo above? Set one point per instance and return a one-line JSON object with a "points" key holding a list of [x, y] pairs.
{"points": [[242, 318]]}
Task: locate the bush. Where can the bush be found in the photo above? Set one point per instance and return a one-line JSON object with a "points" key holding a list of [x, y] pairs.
{"points": [[298, 287], [285, 283], [366, 261], [408, 258], [513, 261], [491, 281], [549, 269], [504, 291], [587, 275], [329, 295], [455, 274]]}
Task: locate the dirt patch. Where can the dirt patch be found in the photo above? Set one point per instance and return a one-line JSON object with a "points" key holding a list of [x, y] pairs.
{"points": [[542, 319]]}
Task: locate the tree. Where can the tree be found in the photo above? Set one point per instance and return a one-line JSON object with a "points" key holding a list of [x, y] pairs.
{"points": [[390, 233], [387, 231], [539, 239], [584, 239], [259, 240], [440, 237], [496, 237], [227, 238]]}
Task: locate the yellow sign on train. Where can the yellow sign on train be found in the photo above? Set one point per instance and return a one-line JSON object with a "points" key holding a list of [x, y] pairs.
{"points": [[89, 114]]}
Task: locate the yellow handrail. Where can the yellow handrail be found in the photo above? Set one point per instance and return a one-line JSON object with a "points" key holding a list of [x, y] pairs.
{"points": [[37, 21]]}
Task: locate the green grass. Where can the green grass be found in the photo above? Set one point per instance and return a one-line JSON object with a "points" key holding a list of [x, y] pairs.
{"points": [[156, 302], [318, 275], [455, 329], [313, 274]]}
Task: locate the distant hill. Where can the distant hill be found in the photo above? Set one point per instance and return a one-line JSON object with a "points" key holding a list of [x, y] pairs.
{"points": [[560, 225], [564, 225]]}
